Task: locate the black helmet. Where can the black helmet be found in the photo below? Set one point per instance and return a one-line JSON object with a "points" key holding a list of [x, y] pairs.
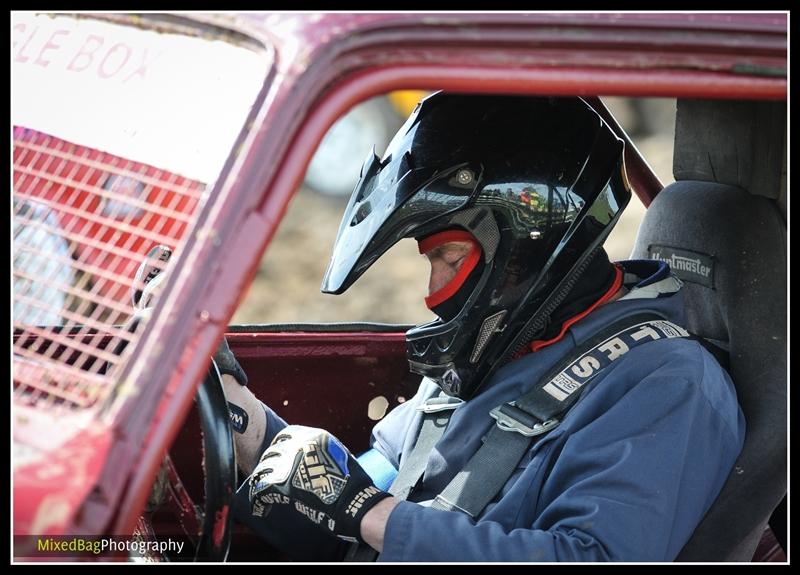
{"points": [[538, 182]]}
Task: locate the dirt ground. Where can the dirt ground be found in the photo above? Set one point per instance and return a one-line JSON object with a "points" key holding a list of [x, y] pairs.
{"points": [[286, 288]]}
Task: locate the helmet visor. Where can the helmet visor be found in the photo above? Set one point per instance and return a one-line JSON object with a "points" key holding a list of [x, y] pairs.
{"points": [[391, 201]]}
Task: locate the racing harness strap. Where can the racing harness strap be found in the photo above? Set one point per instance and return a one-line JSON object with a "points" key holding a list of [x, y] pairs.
{"points": [[436, 415], [437, 411], [539, 411], [521, 422]]}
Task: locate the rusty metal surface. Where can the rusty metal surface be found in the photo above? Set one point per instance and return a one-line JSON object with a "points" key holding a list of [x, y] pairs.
{"points": [[56, 472]]}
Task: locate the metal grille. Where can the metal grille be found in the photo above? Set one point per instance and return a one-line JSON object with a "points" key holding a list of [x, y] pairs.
{"points": [[83, 220]]}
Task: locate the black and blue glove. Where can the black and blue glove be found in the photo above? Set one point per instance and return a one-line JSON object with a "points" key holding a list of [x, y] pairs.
{"points": [[311, 472]]}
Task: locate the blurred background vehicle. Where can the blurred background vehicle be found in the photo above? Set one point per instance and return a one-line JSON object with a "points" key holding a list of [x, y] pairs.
{"points": [[335, 166]]}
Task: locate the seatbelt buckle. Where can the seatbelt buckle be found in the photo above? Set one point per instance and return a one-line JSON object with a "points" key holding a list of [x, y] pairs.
{"points": [[509, 417], [439, 403]]}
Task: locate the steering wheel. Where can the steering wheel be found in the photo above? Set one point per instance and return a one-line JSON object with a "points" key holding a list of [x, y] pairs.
{"points": [[219, 466], [207, 528]]}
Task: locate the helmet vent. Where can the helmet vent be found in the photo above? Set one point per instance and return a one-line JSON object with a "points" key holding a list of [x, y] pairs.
{"points": [[484, 335], [407, 163], [419, 348], [484, 228], [364, 210], [444, 341]]}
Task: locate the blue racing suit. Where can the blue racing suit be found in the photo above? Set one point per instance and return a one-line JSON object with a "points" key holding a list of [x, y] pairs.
{"points": [[626, 476]]}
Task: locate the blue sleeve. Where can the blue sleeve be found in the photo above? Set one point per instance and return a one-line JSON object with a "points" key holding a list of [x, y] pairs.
{"points": [[380, 469], [630, 483]]}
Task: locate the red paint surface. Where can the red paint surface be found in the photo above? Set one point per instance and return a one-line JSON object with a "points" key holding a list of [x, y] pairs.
{"points": [[219, 526], [51, 487]]}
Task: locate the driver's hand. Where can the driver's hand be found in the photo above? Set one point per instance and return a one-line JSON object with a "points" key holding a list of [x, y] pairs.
{"points": [[311, 472], [146, 287], [227, 363], [149, 278]]}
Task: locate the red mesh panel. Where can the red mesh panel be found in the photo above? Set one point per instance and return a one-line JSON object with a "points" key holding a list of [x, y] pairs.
{"points": [[83, 221]]}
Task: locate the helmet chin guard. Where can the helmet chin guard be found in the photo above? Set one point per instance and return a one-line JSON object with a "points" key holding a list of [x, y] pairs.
{"points": [[538, 182]]}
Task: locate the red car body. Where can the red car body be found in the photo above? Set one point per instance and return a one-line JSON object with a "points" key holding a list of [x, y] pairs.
{"points": [[322, 64]]}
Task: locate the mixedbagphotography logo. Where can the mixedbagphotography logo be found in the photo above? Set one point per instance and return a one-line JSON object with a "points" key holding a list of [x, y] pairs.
{"points": [[82, 547]]}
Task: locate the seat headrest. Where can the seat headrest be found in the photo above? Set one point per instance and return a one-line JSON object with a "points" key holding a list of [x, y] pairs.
{"points": [[729, 248], [734, 142]]}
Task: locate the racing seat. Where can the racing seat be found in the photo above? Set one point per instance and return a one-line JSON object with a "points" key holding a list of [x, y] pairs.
{"points": [[724, 234]]}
